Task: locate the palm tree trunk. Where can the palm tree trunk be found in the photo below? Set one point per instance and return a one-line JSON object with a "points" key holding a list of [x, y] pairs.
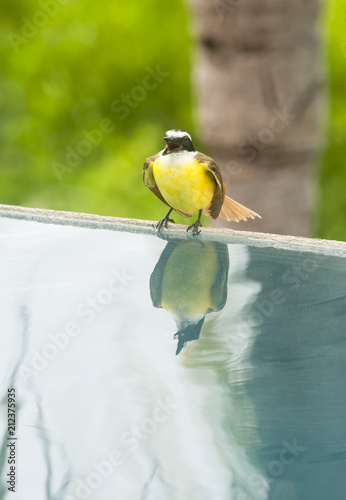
{"points": [[258, 75]]}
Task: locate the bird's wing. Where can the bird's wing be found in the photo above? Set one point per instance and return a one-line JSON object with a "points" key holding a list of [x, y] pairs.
{"points": [[158, 272], [149, 181], [219, 288], [219, 194]]}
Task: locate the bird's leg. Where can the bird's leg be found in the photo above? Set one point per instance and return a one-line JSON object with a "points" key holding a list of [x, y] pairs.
{"points": [[164, 221], [195, 227]]}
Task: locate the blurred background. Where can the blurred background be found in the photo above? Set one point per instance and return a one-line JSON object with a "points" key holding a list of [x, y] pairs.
{"points": [[88, 89]]}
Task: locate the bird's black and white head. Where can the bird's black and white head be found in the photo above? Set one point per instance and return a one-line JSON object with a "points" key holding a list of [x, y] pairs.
{"points": [[177, 140]]}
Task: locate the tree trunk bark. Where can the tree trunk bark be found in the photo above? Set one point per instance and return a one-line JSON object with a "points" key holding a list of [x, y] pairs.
{"points": [[259, 84]]}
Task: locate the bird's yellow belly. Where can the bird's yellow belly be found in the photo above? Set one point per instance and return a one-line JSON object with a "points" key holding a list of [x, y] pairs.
{"points": [[188, 279], [185, 184]]}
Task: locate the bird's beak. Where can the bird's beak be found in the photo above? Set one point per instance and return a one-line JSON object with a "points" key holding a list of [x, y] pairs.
{"points": [[171, 145]]}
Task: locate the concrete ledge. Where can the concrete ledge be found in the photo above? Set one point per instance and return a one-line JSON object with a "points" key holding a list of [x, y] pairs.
{"points": [[327, 247]]}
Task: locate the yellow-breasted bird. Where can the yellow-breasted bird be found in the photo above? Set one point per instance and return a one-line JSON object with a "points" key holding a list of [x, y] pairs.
{"points": [[188, 181], [190, 281]]}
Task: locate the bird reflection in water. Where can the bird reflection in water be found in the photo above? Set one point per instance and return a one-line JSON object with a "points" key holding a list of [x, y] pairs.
{"points": [[190, 281]]}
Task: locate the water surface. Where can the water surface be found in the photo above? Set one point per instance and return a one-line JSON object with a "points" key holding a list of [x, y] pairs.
{"points": [[252, 406]]}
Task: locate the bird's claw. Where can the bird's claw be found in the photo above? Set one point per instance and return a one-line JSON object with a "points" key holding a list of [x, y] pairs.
{"points": [[163, 222], [195, 228], [169, 220]]}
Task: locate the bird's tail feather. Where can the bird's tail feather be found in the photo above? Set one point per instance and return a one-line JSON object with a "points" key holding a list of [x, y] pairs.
{"points": [[233, 211]]}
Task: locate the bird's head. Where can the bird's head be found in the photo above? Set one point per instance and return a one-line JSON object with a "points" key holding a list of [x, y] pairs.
{"points": [[178, 140]]}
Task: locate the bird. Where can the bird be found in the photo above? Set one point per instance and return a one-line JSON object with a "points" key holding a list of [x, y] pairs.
{"points": [[189, 181], [189, 300]]}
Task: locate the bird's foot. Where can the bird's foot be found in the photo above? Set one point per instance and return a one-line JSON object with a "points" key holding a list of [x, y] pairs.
{"points": [[195, 227], [163, 222]]}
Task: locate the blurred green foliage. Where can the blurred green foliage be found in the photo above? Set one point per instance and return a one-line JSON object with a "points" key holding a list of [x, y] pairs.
{"points": [[331, 218], [88, 89], [71, 73]]}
